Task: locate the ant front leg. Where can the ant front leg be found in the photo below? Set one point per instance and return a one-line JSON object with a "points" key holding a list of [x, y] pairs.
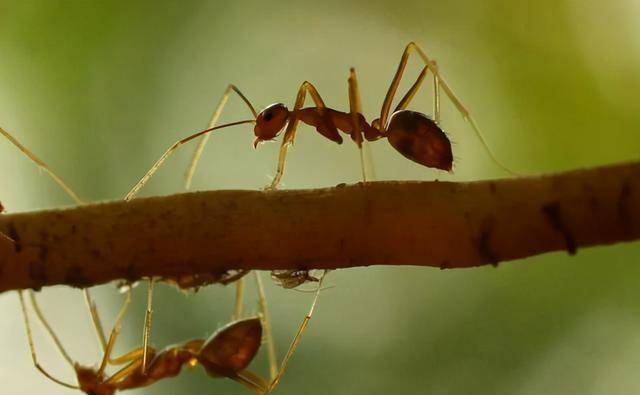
{"points": [[290, 132], [212, 123]]}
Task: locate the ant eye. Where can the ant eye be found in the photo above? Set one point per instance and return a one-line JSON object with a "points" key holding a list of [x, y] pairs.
{"points": [[267, 116]]}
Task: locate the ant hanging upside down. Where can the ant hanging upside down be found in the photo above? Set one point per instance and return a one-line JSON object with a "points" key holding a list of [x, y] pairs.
{"points": [[226, 353]]}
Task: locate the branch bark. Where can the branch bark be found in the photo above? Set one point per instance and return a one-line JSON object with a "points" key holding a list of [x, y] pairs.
{"points": [[441, 224]]}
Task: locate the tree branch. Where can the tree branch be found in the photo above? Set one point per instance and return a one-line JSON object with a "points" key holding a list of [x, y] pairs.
{"points": [[442, 224]]}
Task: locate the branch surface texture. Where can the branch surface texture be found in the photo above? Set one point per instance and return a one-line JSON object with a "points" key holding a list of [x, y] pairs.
{"points": [[441, 224]]}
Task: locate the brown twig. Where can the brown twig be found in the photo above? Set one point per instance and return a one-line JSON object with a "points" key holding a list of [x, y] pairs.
{"points": [[442, 224]]}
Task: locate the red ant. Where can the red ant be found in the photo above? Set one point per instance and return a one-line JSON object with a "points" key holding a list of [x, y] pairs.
{"points": [[226, 353], [415, 135]]}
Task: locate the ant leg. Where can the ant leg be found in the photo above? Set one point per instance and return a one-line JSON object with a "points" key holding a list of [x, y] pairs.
{"points": [[252, 382], [290, 132], [355, 108], [124, 372], [115, 331], [406, 99], [266, 328], [134, 191], [95, 319], [436, 99], [146, 331], [32, 347], [439, 82], [237, 312], [42, 166], [128, 357], [297, 338], [214, 120], [49, 329]]}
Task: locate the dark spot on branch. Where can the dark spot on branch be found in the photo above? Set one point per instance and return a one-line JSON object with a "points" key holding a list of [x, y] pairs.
{"points": [[484, 242], [553, 212], [493, 188], [13, 234]]}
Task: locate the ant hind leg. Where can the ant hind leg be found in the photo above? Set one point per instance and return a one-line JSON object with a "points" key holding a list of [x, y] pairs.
{"points": [[439, 83]]}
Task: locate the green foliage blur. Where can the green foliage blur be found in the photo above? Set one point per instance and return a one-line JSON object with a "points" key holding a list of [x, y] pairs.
{"points": [[99, 89]]}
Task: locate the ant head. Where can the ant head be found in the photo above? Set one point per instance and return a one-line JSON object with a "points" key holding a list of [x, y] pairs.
{"points": [[270, 122]]}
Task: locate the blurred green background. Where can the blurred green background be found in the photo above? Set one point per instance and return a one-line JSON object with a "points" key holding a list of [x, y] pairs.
{"points": [[99, 89]]}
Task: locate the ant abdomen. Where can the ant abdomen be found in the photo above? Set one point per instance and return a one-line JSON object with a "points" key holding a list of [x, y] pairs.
{"points": [[419, 138], [231, 348]]}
